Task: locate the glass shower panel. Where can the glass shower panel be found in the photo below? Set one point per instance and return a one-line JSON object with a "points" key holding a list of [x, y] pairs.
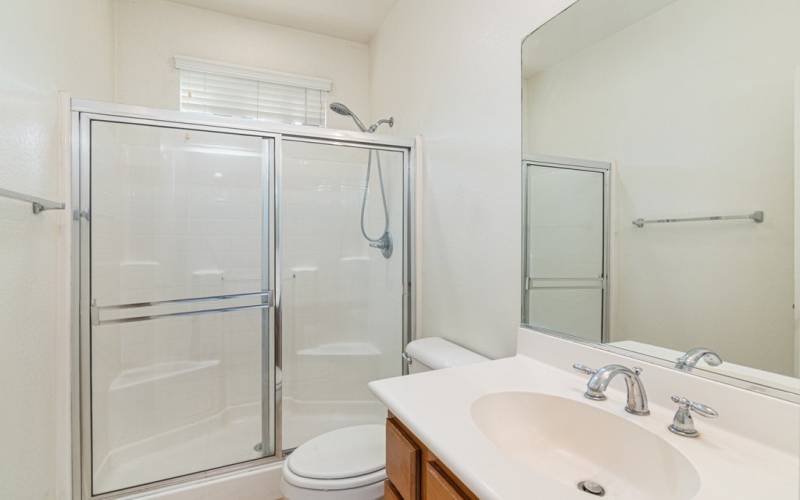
{"points": [[179, 275], [566, 250], [341, 300]]}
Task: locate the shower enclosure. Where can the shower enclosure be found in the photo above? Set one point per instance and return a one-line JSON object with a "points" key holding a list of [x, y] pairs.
{"points": [[227, 307]]}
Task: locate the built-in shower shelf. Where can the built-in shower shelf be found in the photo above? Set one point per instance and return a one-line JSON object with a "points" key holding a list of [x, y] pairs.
{"points": [[355, 258], [341, 349], [159, 371]]}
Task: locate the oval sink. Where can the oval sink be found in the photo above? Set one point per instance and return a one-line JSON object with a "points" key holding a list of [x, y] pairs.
{"points": [[573, 442]]}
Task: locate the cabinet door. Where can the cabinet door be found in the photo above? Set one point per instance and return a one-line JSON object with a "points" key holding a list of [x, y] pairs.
{"points": [[389, 491], [402, 461], [438, 486]]}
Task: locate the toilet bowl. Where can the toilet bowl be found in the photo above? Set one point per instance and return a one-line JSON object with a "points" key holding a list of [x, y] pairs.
{"points": [[346, 463], [349, 463]]}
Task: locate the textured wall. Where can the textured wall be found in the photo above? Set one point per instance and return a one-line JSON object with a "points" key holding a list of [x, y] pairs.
{"points": [[45, 46]]}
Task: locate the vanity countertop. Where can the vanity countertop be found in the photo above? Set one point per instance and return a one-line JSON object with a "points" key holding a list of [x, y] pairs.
{"points": [[436, 407]]}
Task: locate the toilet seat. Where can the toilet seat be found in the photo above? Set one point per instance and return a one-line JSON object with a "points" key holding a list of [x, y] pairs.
{"points": [[343, 459]]}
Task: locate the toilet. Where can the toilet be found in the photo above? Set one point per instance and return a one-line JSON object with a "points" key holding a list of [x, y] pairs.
{"points": [[349, 463]]}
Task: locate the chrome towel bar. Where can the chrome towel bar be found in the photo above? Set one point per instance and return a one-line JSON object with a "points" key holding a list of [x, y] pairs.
{"points": [[39, 204], [95, 311], [757, 217], [99, 322]]}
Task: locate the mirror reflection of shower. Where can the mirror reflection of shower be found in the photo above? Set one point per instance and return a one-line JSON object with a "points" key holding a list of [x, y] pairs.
{"points": [[384, 241]]}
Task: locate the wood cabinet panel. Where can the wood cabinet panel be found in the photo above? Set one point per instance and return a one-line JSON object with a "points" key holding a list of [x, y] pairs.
{"points": [[402, 461], [414, 473], [438, 486]]}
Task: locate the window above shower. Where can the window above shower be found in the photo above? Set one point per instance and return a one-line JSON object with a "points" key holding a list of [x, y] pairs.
{"points": [[243, 92]]}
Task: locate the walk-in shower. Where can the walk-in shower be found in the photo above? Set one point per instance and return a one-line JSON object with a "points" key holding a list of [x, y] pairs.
{"points": [[384, 241], [226, 297]]}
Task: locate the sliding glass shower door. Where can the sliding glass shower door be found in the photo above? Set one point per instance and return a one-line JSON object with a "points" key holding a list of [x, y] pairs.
{"points": [[342, 298], [180, 280]]}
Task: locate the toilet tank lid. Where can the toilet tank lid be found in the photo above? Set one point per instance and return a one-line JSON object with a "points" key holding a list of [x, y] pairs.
{"points": [[438, 353]]}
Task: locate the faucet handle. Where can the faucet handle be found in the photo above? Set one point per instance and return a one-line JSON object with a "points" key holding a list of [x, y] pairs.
{"points": [[682, 422], [699, 408], [584, 369]]}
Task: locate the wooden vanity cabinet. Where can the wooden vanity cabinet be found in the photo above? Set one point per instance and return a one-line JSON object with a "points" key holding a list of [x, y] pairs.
{"points": [[414, 473]]}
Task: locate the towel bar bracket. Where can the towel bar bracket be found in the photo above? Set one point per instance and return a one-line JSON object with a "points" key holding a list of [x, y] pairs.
{"points": [[38, 205]]}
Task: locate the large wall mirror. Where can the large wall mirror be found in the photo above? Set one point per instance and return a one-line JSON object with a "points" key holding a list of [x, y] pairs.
{"points": [[659, 168]]}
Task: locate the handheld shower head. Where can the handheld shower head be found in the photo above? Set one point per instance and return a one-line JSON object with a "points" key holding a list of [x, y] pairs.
{"points": [[343, 110], [383, 242]]}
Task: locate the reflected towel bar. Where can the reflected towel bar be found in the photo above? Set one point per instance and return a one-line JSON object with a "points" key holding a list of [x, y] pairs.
{"points": [[757, 217], [39, 204]]}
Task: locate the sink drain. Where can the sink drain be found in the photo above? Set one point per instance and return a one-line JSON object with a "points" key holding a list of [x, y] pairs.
{"points": [[592, 488]]}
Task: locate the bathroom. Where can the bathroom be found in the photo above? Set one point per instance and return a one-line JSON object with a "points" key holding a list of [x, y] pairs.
{"points": [[399, 248]]}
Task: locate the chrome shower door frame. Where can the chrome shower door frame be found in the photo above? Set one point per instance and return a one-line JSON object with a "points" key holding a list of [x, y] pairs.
{"points": [[83, 113], [601, 167]]}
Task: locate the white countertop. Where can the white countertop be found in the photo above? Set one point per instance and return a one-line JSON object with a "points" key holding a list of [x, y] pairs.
{"points": [[436, 406]]}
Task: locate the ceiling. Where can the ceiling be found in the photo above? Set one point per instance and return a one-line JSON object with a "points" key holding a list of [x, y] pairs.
{"points": [[582, 25], [356, 20]]}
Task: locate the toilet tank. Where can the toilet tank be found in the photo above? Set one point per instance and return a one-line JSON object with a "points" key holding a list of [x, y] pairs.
{"points": [[435, 353]]}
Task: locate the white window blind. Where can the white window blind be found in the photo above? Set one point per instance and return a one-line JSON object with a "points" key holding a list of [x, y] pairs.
{"points": [[237, 91]]}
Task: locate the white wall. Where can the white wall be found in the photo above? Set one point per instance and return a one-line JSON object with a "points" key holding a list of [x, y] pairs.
{"points": [[149, 33], [699, 123], [45, 46], [450, 70]]}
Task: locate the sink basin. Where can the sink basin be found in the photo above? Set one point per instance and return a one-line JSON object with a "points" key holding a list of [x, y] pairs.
{"points": [[571, 442]]}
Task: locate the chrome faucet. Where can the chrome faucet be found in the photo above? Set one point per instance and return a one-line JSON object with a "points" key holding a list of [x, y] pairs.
{"points": [[596, 387], [693, 356]]}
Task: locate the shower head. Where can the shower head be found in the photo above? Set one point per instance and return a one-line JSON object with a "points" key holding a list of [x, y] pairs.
{"points": [[343, 110]]}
